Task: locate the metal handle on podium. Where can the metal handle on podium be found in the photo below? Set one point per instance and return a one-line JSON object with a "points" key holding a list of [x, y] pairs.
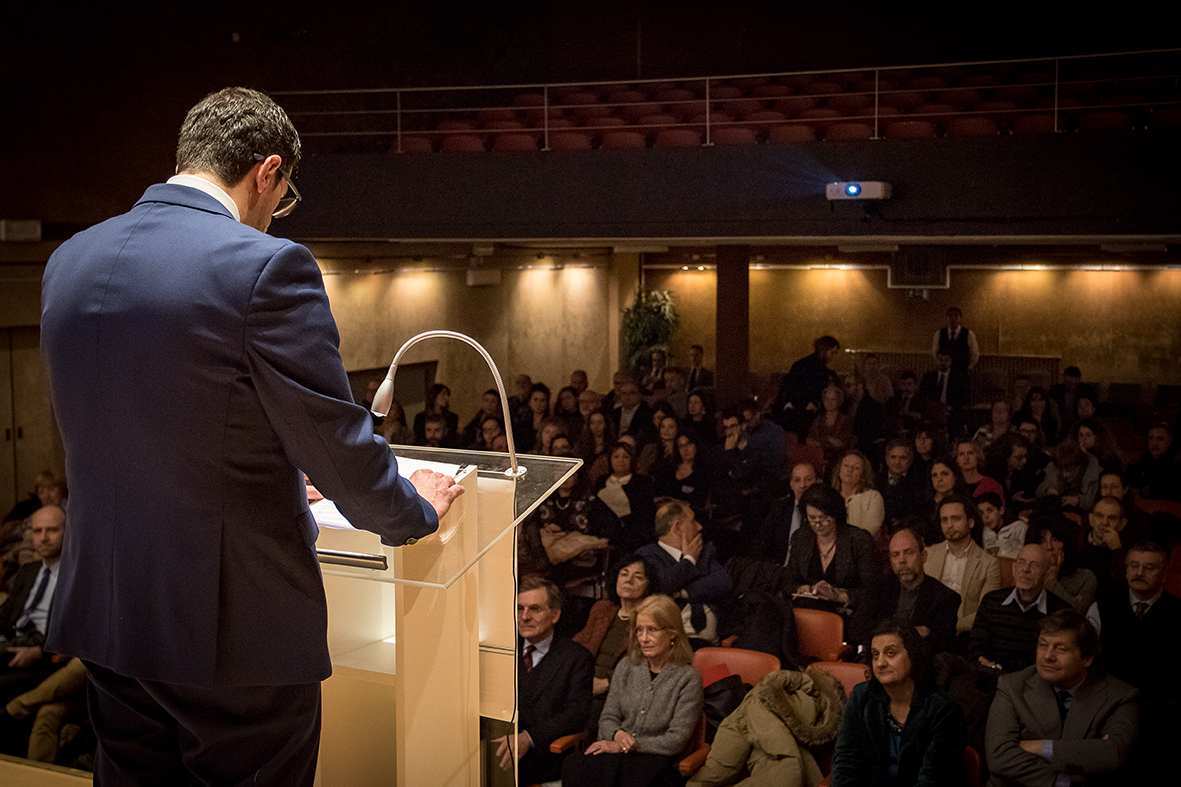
{"points": [[354, 559], [385, 392]]}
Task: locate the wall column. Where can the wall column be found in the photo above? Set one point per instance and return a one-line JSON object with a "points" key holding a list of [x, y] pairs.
{"points": [[732, 332]]}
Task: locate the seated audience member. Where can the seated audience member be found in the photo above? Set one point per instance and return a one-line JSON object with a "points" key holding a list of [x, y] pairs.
{"points": [[1105, 545], [1095, 440], [489, 408], [1004, 636], [594, 445], [607, 631], [57, 701], [563, 520], [588, 402], [853, 478], [868, 416], [1065, 578], [47, 490], [551, 428], [1037, 408], [579, 381], [995, 429], [528, 421], [1018, 392], [700, 421], [687, 568], [662, 453], [435, 434], [945, 480], [924, 453], [905, 407], [490, 429], [1067, 394], [877, 383], [959, 562], [787, 515], [772, 734], [566, 410], [1062, 720], [908, 595], [743, 479], [831, 563], [999, 537], [1011, 468], [1156, 474], [1137, 625], [623, 511], [675, 394], [657, 367], [438, 402], [554, 677], [1072, 475], [902, 490], [561, 446], [969, 457], [652, 706], [897, 728], [832, 430], [764, 441], [1039, 455], [24, 615], [393, 427], [518, 403], [631, 415], [688, 478]]}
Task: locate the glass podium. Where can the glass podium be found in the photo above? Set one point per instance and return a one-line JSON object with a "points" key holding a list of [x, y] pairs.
{"points": [[423, 637]]}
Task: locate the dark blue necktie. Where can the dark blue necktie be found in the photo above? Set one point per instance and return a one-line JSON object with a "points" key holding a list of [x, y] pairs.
{"points": [[1063, 698]]}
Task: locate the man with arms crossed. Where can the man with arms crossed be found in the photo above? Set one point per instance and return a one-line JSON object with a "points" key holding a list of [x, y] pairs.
{"points": [[196, 376], [1062, 721]]}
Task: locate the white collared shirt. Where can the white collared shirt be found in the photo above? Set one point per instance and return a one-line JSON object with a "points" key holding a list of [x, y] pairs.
{"points": [[1040, 603], [676, 553], [210, 188], [39, 615], [540, 649]]}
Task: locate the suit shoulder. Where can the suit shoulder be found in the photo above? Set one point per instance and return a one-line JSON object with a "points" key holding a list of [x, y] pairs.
{"points": [[568, 648]]}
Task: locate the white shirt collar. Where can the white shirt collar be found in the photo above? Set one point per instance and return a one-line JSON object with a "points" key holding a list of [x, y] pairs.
{"points": [[210, 188], [1149, 601], [540, 649], [1040, 603]]}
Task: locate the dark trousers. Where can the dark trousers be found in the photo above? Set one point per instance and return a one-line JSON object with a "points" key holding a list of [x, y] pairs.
{"points": [[154, 733]]}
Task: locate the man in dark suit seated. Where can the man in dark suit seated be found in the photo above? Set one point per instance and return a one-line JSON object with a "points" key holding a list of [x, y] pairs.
{"points": [[555, 676], [24, 615], [1140, 628], [902, 490], [689, 569], [773, 541], [1063, 720], [908, 594]]}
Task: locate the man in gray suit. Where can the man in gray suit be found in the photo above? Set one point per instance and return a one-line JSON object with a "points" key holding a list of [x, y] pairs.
{"points": [[1061, 721]]}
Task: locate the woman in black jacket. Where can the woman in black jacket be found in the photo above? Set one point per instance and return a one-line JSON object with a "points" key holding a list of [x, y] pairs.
{"points": [[897, 729]]}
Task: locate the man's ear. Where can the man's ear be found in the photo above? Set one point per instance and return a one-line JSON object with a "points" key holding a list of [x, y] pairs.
{"points": [[265, 173]]}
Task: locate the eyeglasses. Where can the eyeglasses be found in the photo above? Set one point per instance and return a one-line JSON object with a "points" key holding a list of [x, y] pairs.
{"points": [[820, 520], [287, 203]]}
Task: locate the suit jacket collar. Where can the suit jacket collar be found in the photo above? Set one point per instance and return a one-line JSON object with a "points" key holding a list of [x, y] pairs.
{"points": [[1040, 695], [184, 196]]}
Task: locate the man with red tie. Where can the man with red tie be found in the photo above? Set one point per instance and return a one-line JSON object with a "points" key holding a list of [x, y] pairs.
{"points": [[555, 678]]}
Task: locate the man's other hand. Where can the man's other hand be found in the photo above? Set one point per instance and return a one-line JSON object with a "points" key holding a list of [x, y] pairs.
{"points": [[24, 656], [437, 489]]}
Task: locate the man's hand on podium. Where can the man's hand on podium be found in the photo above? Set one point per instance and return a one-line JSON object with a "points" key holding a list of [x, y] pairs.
{"points": [[437, 489]]}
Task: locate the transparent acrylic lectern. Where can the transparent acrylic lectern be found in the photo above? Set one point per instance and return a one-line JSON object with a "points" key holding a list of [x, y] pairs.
{"points": [[423, 637]]}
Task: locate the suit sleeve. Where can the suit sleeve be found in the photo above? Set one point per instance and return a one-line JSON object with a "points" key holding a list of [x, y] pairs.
{"points": [[292, 349], [576, 706], [992, 581], [1002, 737], [943, 616], [1108, 750]]}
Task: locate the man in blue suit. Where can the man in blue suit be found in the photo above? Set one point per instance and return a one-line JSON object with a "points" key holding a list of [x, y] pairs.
{"points": [[196, 377]]}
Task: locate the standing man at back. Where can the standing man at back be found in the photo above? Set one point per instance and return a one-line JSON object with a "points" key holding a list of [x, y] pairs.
{"points": [[196, 377]]}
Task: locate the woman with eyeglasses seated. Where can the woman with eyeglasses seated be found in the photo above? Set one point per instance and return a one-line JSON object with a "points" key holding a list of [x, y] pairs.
{"points": [[652, 707], [830, 562], [897, 729]]}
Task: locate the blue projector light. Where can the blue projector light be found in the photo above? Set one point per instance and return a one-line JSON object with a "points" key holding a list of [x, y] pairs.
{"points": [[858, 189]]}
